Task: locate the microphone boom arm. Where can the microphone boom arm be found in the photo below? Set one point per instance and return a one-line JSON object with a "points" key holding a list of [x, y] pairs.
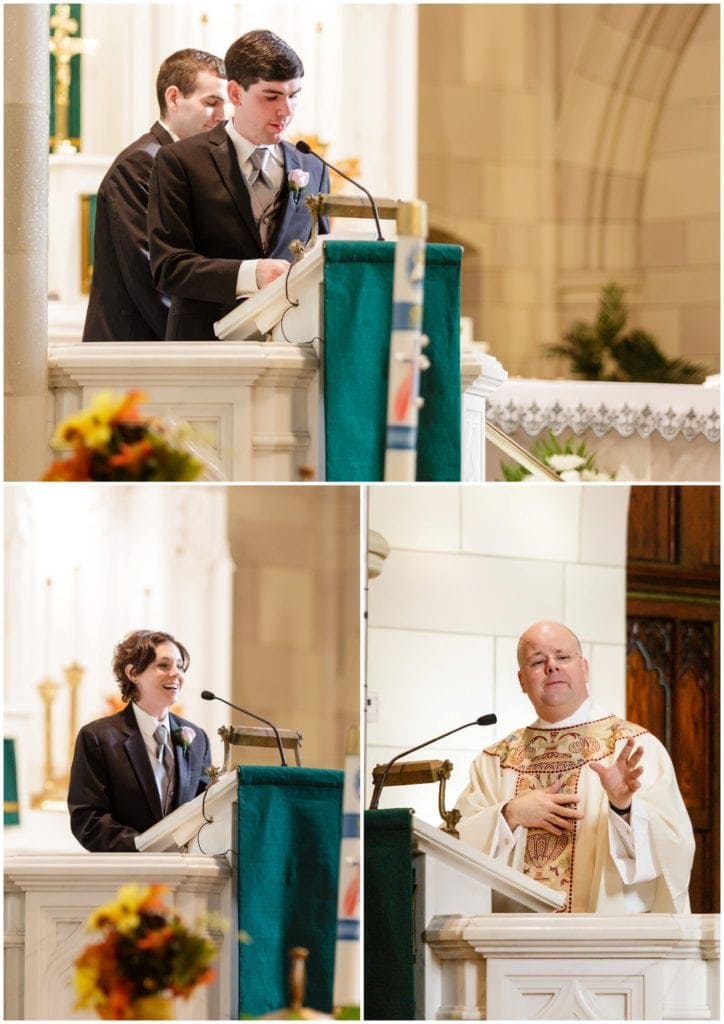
{"points": [[379, 784], [208, 695], [305, 148]]}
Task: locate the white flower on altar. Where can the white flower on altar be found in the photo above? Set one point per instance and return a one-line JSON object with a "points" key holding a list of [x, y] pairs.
{"points": [[563, 463]]}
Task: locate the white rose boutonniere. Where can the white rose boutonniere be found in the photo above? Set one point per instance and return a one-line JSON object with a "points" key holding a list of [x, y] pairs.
{"points": [[297, 181], [183, 737]]}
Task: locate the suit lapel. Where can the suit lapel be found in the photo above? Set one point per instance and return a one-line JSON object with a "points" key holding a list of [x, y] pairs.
{"points": [[140, 765], [292, 161], [224, 156], [181, 757]]}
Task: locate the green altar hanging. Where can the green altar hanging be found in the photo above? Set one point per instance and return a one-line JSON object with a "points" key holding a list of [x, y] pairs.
{"points": [[11, 808], [289, 831], [389, 943], [357, 324]]}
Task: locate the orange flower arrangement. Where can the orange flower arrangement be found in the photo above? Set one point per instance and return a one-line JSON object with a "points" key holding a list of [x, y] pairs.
{"points": [[146, 951], [111, 440]]}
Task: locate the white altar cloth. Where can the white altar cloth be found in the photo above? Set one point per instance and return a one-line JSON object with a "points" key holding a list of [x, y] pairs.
{"points": [[669, 431]]}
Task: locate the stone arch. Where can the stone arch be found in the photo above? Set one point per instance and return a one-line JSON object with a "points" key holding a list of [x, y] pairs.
{"points": [[609, 109]]}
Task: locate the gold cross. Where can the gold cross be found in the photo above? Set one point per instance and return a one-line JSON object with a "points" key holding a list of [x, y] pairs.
{"points": [[63, 48]]}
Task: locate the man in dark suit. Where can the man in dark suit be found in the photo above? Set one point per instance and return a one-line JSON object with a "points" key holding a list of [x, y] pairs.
{"points": [[223, 207], [131, 769], [124, 304]]}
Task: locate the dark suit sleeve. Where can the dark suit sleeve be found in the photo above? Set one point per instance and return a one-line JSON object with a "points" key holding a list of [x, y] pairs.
{"points": [[178, 268], [91, 817], [127, 205]]}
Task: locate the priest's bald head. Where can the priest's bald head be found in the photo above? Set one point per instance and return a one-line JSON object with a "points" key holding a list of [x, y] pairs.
{"points": [[552, 671]]}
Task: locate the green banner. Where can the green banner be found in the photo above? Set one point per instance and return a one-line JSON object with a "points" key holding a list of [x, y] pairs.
{"points": [[290, 824], [357, 321], [11, 808], [65, 40], [389, 945]]}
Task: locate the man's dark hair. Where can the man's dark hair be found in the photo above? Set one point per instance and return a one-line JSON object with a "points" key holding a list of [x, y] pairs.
{"points": [[138, 649], [261, 55], [182, 69]]}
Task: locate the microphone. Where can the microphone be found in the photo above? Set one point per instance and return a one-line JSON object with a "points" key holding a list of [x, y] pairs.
{"points": [[483, 720], [208, 695], [303, 147]]}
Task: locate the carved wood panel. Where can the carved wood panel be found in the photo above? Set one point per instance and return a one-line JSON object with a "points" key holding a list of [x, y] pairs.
{"points": [[673, 652]]}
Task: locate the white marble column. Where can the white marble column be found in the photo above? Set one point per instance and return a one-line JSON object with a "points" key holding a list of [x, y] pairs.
{"points": [[26, 239]]}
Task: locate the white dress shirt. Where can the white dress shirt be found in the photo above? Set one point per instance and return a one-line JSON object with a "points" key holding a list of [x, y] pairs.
{"points": [[246, 279]]}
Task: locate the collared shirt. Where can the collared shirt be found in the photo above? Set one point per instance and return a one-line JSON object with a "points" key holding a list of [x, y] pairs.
{"points": [[274, 169], [246, 278], [581, 714], [173, 135], [148, 725]]}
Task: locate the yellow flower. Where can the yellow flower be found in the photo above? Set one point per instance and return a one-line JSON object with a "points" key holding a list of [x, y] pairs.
{"points": [[86, 985], [123, 912], [92, 426]]}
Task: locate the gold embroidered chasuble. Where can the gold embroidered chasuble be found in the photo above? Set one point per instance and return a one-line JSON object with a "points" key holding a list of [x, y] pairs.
{"points": [[579, 864], [541, 757]]}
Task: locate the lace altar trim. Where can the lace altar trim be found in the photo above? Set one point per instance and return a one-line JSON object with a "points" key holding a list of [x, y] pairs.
{"points": [[626, 420]]}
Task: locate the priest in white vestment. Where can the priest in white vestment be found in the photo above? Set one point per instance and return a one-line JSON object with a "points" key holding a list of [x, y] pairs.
{"points": [[582, 801]]}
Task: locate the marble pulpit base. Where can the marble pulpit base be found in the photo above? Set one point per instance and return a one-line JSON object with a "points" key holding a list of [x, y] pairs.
{"points": [[574, 967], [49, 896]]}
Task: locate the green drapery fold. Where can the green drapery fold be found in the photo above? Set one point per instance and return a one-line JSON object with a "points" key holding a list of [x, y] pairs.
{"points": [[11, 808], [389, 948], [357, 319], [290, 822]]}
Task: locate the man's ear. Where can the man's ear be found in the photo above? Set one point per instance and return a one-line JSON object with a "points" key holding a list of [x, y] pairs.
{"points": [[129, 672], [235, 92], [171, 96]]}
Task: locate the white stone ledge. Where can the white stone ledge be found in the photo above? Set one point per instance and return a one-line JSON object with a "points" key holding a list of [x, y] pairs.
{"points": [[583, 935], [83, 870], [128, 363]]}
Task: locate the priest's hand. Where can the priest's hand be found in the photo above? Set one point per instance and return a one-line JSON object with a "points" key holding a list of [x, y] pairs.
{"points": [[549, 809], [269, 270], [621, 779]]}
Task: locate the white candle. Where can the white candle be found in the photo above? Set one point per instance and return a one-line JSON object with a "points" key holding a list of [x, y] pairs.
{"points": [[75, 612], [318, 28], [48, 624]]}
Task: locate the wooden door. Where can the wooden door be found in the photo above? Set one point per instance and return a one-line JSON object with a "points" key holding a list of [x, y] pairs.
{"points": [[672, 685]]}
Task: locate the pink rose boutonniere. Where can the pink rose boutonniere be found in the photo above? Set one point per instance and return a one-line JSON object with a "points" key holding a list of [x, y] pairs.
{"points": [[183, 737], [297, 181]]}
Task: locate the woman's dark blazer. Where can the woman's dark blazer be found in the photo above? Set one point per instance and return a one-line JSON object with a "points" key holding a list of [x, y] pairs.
{"points": [[113, 795]]}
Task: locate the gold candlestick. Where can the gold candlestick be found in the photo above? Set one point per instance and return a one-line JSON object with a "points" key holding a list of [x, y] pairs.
{"points": [[54, 792], [51, 794], [74, 677]]}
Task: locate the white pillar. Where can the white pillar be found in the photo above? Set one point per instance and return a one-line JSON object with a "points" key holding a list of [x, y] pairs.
{"points": [[26, 239]]}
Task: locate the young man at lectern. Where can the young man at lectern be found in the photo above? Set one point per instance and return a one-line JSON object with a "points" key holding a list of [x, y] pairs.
{"points": [[225, 206], [123, 304], [131, 769], [581, 801]]}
